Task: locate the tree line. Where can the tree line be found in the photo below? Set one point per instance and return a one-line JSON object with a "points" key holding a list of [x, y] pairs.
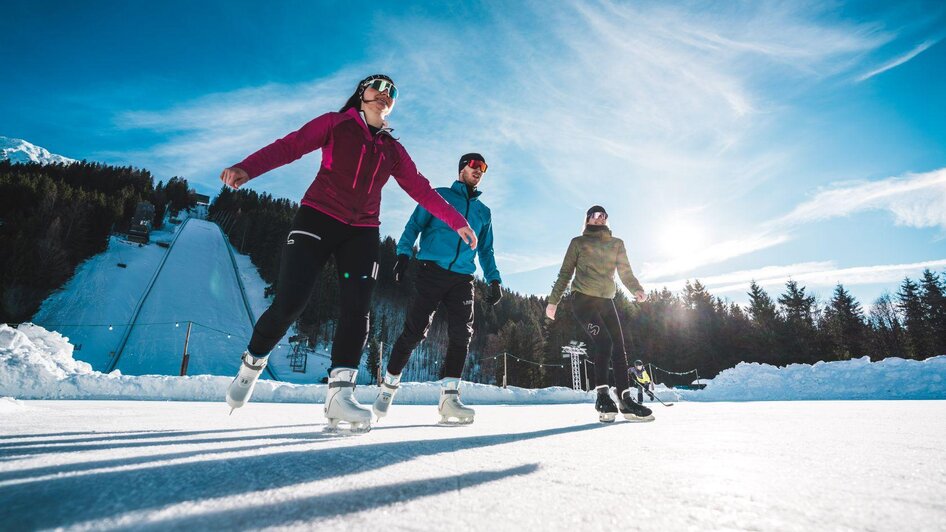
{"points": [[689, 330], [53, 217]]}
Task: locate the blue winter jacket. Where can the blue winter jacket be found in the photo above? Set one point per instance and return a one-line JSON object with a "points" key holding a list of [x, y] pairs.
{"points": [[442, 245]]}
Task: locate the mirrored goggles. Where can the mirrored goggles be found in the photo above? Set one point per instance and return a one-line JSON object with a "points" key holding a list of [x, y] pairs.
{"points": [[598, 216], [382, 85], [478, 165]]}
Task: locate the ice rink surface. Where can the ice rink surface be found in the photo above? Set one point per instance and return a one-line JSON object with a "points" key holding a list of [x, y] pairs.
{"points": [[102, 465]]}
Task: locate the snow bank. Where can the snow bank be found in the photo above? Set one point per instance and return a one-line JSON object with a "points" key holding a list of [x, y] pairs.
{"points": [[38, 364], [9, 404], [891, 378]]}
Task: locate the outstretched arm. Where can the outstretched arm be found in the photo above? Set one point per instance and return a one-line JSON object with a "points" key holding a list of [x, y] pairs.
{"points": [[308, 138], [418, 187]]}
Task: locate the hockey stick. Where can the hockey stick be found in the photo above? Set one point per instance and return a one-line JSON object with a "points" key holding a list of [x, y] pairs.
{"points": [[652, 396]]}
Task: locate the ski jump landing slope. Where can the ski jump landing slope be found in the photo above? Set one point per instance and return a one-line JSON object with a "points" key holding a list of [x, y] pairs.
{"points": [[198, 284], [134, 318]]}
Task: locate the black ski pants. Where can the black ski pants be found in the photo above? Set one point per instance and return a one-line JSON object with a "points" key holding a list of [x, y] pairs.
{"points": [[315, 237], [599, 318], [455, 291]]}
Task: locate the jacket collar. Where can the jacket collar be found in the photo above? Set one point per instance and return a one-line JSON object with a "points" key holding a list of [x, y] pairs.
{"points": [[603, 234], [460, 188], [359, 117]]}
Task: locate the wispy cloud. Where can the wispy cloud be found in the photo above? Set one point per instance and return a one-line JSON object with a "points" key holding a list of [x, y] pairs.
{"points": [[897, 61], [914, 200], [812, 275]]}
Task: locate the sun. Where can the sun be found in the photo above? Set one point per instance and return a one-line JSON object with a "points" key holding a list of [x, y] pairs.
{"points": [[678, 237]]}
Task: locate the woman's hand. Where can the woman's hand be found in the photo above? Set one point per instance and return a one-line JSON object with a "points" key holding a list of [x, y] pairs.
{"points": [[640, 296], [468, 236], [234, 177], [550, 311]]}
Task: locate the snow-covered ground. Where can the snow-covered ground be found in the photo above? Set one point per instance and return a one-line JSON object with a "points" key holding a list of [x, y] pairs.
{"points": [[39, 364], [846, 465]]}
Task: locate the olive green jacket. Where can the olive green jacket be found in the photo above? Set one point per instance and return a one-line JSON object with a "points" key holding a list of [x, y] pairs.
{"points": [[592, 258]]}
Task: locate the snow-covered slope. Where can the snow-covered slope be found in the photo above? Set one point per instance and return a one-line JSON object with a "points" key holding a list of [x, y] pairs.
{"points": [[160, 290], [21, 151]]}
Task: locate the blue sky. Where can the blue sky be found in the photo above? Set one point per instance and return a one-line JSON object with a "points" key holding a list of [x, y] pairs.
{"points": [[728, 141]]}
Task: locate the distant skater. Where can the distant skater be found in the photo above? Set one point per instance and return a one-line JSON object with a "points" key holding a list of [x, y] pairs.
{"points": [[445, 276], [639, 377], [338, 217], [592, 259]]}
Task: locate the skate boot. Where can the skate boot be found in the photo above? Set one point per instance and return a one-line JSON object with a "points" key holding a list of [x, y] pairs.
{"points": [[242, 386], [385, 395], [632, 410], [340, 404], [605, 405], [450, 406]]}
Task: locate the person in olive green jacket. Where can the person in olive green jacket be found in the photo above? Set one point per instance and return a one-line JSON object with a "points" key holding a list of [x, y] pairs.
{"points": [[592, 259]]}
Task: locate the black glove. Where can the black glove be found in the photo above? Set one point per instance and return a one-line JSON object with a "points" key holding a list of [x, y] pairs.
{"points": [[494, 293], [400, 267]]}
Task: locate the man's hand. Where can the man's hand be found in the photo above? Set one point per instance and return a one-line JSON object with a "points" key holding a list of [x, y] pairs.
{"points": [[234, 177], [468, 236], [641, 296], [494, 293], [400, 267], [550, 311]]}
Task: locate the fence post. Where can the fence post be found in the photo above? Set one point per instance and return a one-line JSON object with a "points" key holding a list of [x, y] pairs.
{"points": [[504, 370], [186, 357]]}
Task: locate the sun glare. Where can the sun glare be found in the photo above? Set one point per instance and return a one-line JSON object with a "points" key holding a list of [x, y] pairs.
{"points": [[679, 237]]}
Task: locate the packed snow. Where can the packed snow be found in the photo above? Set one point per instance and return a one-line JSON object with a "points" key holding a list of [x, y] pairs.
{"points": [[21, 151]]}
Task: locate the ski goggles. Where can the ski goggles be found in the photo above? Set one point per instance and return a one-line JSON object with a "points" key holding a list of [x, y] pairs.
{"points": [[477, 165], [382, 85], [598, 216]]}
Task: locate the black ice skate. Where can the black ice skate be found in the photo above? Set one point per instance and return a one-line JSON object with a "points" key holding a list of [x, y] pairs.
{"points": [[632, 410], [605, 405]]}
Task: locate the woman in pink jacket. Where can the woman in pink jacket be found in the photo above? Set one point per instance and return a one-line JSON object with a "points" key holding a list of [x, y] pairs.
{"points": [[338, 217]]}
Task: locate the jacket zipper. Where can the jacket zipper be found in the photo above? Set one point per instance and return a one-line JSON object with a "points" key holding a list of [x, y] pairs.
{"points": [[460, 241], [358, 169], [375, 173]]}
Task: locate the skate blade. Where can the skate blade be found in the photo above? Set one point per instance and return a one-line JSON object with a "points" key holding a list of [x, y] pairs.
{"points": [[350, 429], [638, 419], [446, 422], [606, 418]]}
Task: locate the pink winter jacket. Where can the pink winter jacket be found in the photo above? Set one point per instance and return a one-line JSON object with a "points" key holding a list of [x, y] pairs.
{"points": [[354, 168]]}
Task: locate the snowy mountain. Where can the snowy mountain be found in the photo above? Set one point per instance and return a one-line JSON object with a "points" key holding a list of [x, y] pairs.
{"points": [[21, 151]]}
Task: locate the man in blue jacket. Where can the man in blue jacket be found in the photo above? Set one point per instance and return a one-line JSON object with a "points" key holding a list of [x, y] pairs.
{"points": [[445, 276]]}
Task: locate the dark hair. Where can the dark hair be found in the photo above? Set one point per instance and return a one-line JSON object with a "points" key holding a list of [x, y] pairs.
{"points": [[355, 99]]}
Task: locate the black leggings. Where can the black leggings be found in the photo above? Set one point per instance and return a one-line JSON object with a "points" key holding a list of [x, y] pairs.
{"points": [[599, 318], [455, 290], [313, 238]]}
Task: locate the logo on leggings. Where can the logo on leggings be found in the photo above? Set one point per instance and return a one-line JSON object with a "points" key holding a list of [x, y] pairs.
{"points": [[593, 329], [470, 302]]}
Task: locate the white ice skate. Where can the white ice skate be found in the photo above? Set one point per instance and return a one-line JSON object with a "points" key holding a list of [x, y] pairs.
{"points": [[242, 386], [341, 406], [385, 395], [451, 408]]}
